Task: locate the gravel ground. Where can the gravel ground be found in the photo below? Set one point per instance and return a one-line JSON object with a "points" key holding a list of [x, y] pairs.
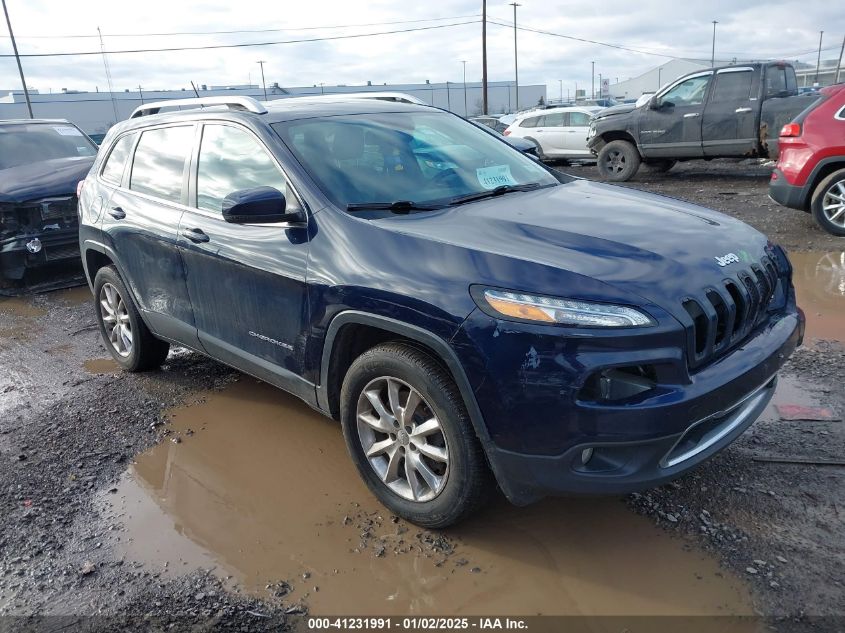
{"points": [[67, 435]]}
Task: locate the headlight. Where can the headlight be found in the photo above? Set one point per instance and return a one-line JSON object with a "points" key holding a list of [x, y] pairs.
{"points": [[592, 131], [540, 309]]}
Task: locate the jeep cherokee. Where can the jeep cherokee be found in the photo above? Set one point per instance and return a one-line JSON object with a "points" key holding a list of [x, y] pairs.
{"points": [[470, 316]]}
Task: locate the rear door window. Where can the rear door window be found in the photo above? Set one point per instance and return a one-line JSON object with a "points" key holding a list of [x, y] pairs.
{"points": [[158, 168], [555, 119], [732, 86], [579, 119], [533, 121], [116, 162]]}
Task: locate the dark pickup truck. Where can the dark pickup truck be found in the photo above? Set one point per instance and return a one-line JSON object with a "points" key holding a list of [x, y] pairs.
{"points": [[731, 111]]}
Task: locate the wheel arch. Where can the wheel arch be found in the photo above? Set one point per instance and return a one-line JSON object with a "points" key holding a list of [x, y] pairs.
{"points": [[618, 135], [824, 169], [338, 355]]}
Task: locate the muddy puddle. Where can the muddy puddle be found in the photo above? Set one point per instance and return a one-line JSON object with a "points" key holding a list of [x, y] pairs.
{"points": [[20, 307], [253, 482], [101, 366], [820, 289], [74, 296]]}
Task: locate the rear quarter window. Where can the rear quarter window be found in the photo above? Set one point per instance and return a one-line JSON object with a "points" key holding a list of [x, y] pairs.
{"points": [[116, 162]]}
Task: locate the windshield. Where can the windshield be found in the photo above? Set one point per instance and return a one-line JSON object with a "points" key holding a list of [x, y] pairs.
{"points": [[24, 144], [417, 157]]}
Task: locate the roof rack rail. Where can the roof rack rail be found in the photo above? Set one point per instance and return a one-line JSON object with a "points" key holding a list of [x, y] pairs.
{"points": [[247, 104]]}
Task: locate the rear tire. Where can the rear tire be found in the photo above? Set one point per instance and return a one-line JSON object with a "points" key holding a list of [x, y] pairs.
{"points": [[125, 335], [618, 161], [828, 203], [396, 463]]}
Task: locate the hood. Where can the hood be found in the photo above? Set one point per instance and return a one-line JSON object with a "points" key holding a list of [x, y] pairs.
{"points": [[57, 177], [657, 248], [622, 108]]}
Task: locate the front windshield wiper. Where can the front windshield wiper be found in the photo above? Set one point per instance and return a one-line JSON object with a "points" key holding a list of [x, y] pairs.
{"points": [[498, 191], [397, 206]]}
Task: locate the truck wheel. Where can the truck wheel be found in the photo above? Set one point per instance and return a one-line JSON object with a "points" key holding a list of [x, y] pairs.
{"points": [[828, 203], [618, 161], [661, 166], [409, 434], [124, 334]]}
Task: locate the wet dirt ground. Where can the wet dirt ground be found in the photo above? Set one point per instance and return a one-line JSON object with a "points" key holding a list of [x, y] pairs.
{"points": [[196, 492]]}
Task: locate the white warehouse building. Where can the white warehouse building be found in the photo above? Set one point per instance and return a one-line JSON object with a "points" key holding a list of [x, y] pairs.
{"points": [[96, 112]]}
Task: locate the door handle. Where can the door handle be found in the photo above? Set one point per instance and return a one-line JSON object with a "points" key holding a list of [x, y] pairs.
{"points": [[196, 235], [540, 130], [691, 115], [741, 110], [117, 213]]}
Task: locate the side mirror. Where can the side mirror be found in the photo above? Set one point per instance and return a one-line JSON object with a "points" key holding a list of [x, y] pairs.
{"points": [[260, 205], [654, 103]]}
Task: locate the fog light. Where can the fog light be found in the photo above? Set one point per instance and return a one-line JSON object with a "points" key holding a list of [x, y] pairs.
{"points": [[34, 246], [586, 455]]}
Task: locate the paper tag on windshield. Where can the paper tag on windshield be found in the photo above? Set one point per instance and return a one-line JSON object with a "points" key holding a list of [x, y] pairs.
{"points": [[66, 130], [495, 176]]}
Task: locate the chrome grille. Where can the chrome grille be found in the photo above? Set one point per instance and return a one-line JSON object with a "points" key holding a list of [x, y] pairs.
{"points": [[724, 315]]}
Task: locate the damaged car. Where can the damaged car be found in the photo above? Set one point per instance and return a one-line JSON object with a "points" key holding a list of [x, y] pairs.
{"points": [[41, 163]]}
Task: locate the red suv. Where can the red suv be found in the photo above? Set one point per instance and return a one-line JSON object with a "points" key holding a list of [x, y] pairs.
{"points": [[810, 174]]}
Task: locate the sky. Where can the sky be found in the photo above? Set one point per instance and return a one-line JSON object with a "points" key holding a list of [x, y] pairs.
{"points": [[658, 29]]}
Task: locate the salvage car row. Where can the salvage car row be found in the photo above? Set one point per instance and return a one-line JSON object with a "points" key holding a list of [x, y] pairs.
{"points": [[451, 301]]}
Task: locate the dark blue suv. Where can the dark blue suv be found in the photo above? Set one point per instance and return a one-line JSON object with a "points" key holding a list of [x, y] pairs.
{"points": [[470, 316]]}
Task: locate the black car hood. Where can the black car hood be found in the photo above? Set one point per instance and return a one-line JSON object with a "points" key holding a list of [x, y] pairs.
{"points": [[55, 177], [655, 247]]}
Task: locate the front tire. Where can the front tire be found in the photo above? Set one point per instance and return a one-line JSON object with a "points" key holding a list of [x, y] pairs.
{"points": [[409, 434], [125, 335], [828, 204], [618, 161]]}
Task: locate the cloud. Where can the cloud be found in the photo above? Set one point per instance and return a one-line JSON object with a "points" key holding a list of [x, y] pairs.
{"points": [[751, 29]]}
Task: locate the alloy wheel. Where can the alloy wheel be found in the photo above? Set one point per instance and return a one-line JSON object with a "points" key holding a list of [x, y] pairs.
{"points": [[402, 439], [833, 204], [116, 321], [615, 161]]}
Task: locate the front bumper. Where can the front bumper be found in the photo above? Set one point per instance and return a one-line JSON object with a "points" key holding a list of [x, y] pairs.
{"points": [[639, 443], [55, 246], [787, 194]]}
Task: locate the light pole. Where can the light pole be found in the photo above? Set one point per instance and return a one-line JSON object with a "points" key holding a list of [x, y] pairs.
{"points": [[600, 90], [515, 57], [483, 56], [713, 49], [561, 89], [819, 60], [18, 59], [593, 82], [466, 110], [263, 84], [448, 97]]}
